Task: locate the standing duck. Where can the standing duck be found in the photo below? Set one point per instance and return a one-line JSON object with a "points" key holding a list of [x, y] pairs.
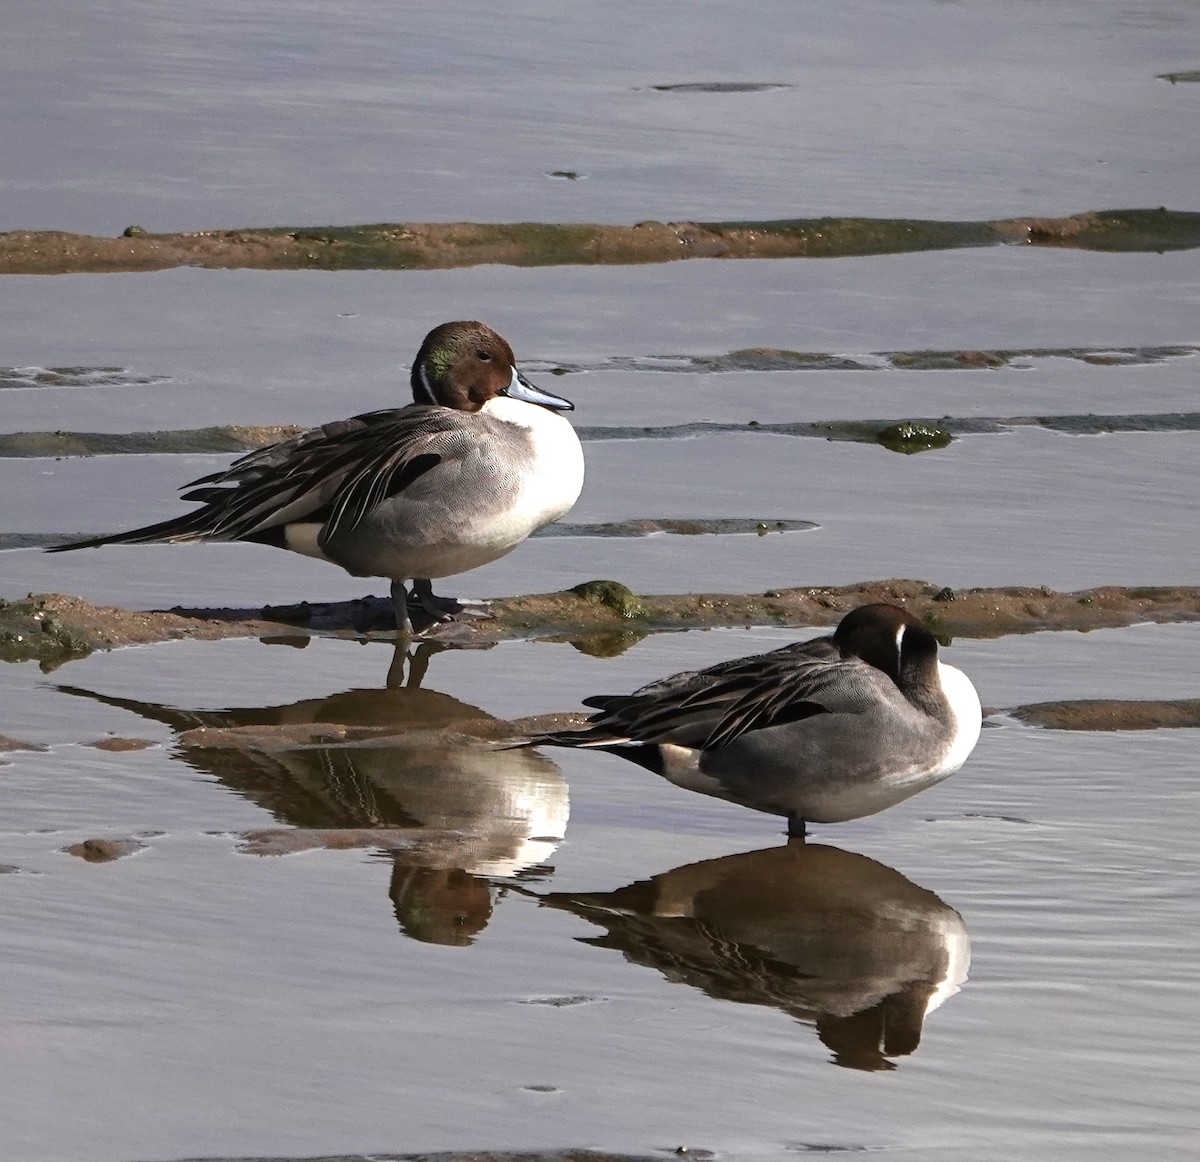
{"points": [[479, 461]]}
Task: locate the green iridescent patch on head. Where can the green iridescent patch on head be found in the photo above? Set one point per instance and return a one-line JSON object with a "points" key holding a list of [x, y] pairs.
{"points": [[440, 358]]}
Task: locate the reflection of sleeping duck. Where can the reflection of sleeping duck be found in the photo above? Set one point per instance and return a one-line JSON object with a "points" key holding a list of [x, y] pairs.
{"points": [[825, 935], [399, 776]]}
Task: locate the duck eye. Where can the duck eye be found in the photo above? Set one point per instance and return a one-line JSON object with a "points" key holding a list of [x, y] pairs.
{"points": [[484, 357]]}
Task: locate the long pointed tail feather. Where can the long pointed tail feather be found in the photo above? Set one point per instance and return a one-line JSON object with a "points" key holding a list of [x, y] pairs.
{"points": [[643, 754], [180, 529]]}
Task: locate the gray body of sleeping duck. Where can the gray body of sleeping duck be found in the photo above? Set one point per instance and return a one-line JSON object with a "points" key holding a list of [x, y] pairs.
{"points": [[821, 731]]}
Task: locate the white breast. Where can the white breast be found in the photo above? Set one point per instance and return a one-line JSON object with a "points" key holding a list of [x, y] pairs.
{"points": [[552, 477], [968, 717]]}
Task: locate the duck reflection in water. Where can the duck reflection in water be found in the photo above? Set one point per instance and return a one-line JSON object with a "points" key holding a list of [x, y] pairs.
{"points": [[825, 935], [402, 769]]}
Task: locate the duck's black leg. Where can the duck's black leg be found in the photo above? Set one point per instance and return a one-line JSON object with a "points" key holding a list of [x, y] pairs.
{"points": [[795, 827]]}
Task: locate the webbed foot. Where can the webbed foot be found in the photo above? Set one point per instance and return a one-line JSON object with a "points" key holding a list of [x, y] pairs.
{"points": [[447, 608]]}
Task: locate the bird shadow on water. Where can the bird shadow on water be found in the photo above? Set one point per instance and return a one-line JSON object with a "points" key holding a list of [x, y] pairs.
{"points": [[405, 771], [829, 937]]}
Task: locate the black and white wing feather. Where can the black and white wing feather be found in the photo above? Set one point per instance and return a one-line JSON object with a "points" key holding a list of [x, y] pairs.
{"points": [[711, 708], [334, 475]]}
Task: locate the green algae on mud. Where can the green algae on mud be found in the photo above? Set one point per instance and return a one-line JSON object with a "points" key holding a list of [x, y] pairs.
{"points": [[612, 595], [908, 438], [432, 245], [54, 628]]}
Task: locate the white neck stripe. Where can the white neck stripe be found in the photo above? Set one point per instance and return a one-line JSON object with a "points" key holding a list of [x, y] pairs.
{"points": [[423, 378]]}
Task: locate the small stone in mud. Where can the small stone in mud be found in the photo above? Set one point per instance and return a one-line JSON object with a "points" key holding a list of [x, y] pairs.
{"points": [[104, 850], [910, 437], [120, 744], [612, 595], [944, 594]]}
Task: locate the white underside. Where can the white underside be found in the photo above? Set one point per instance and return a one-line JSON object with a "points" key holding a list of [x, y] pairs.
{"points": [[681, 766], [302, 538]]}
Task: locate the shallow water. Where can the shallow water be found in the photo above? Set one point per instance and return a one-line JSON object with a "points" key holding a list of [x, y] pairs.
{"points": [[689, 980], [246, 347], [422, 1008], [226, 114]]}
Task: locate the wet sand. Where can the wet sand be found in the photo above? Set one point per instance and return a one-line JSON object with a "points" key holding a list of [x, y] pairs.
{"points": [[436, 246], [600, 616]]}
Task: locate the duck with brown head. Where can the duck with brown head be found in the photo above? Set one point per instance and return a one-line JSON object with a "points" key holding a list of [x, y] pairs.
{"points": [[480, 460]]}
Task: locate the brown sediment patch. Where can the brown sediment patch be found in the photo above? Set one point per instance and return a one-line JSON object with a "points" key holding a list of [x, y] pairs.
{"points": [[52, 628], [185, 441], [1111, 714], [23, 378], [120, 745], [434, 245], [11, 744], [104, 850]]}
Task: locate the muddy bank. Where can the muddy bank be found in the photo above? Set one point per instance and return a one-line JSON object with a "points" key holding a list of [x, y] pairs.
{"points": [[432, 245], [599, 617], [904, 435], [632, 528], [473, 1156], [1111, 714]]}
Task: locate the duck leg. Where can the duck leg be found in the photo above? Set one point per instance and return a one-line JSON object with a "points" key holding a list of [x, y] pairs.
{"points": [[795, 828], [447, 608], [400, 604], [417, 663]]}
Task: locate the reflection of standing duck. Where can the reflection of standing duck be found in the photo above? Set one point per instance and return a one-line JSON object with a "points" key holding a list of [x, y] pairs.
{"points": [[825, 935], [389, 769], [825, 730]]}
